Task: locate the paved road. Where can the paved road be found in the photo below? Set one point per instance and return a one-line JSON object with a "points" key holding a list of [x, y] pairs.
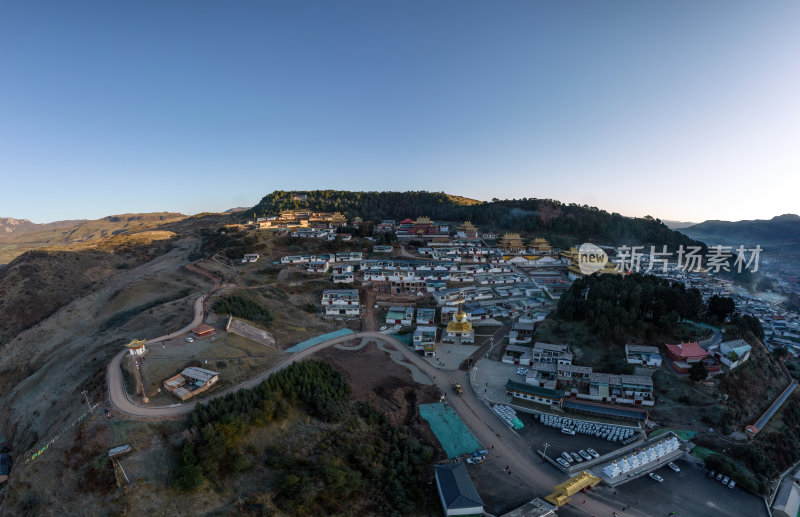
{"points": [[504, 444], [116, 389]]}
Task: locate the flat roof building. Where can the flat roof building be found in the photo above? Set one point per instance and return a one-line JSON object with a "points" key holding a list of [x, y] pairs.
{"points": [[190, 382]]}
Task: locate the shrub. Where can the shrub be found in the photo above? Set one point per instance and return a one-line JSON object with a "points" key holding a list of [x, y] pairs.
{"points": [[242, 307]]}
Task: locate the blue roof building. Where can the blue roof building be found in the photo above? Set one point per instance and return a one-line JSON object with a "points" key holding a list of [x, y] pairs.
{"points": [[456, 491]]}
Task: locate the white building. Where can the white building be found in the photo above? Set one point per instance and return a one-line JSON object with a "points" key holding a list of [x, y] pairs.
{"points": [[732, 353], [295, 259], [136, 347], [400, 315], [641, 354], [549, 353], [340, 302], [318, 266], [426, 316], [343, 278], [425, 340]]}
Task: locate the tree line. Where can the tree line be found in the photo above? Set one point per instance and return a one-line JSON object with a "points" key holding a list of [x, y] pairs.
{"points": [[356, 456], [629, 304], [242, 307], [562, 224], [613, 304]]}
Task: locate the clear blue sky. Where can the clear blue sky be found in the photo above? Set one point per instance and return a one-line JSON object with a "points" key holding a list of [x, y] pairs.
{"points": [[682, 109]]}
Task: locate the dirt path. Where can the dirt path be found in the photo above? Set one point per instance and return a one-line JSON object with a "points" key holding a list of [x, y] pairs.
{"points": [[368, 318], [504, 444], [211, 276]]}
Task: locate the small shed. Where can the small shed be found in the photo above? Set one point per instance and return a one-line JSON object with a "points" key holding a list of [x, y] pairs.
{"points": [[203, 330], [118, 451]]}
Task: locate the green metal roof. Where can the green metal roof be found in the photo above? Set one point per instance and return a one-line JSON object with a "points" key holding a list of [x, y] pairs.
{"points": [[534, 390]]}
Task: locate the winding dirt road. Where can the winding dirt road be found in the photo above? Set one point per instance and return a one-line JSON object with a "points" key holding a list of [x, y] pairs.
{"points": [[505, 446]]}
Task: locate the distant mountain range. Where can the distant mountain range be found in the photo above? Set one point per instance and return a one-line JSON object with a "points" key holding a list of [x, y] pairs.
{"points": [[781, 234], [19, 226], [20, 235], [677, 225]]}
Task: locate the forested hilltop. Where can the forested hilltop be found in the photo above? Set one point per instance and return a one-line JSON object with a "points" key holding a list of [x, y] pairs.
{"points": [[562, 224]]}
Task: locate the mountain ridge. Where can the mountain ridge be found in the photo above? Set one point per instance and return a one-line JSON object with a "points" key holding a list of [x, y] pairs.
{"points": [[780, 234], [9, 225], [562, 224]]}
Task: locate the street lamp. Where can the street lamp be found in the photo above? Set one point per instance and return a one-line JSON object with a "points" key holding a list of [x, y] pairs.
{"points": [[546, 445]]}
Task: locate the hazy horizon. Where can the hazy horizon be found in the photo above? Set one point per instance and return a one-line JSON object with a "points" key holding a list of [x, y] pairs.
{"points": [[683, 111], [221, 210]]}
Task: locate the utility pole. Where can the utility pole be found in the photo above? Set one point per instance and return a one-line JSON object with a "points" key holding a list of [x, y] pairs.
{"points": [[86, 395], [119, 464]]}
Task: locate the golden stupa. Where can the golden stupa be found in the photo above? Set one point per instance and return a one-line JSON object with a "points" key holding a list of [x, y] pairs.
{"points": [[460, 324]]}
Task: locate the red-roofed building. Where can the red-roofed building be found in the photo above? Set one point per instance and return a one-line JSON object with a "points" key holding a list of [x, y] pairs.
{"points": [[684, 355], [687, 352], [203, 330]]}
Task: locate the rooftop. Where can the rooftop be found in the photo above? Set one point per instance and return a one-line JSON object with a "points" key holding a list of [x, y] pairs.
{"points": [[550, 347], [641, 349], [203, 329], [200, 374], [534, 390], [456, 488], [691, 349]]}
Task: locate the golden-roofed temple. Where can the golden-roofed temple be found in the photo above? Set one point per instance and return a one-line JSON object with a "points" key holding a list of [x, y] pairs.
{"points": [[460, 327], [511, 241], [338, 219], [136, 346], [564, 491], [540, 246], [468, 229]]}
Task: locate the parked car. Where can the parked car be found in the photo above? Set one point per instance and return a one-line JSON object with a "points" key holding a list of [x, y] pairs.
{"points": [[732, 484], [712, 474], [593, 453], [570, 432], [656, 477], [522, 371], [584, 454], [674, 467], [562, 463], [576, 457], [726, 480], [567, 457], [719, 476], [397, 327], [189, 340], [384, 328]]}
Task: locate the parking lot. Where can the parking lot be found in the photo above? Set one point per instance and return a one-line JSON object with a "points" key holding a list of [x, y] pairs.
{"points": [[538, 434], [688, 493]]}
